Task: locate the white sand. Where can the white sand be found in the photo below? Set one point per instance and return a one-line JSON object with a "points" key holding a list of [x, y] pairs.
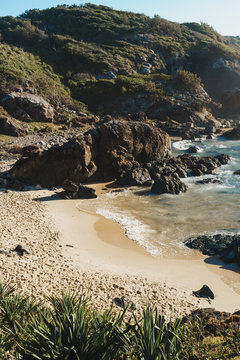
{"points": [[71, 250]]}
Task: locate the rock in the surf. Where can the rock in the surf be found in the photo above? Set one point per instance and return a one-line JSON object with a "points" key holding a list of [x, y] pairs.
{"points": [[209, 181], [136, 177], [170, 184], [224, 245], [193, 149], [210, 244]]}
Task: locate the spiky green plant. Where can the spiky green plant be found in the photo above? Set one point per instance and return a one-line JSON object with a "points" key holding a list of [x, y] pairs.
{"points": [[156, 339], [70, 332]]}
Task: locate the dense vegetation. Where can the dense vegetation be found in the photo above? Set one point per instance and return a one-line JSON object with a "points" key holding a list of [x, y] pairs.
{"points": [[65, 328], [92, 54]]}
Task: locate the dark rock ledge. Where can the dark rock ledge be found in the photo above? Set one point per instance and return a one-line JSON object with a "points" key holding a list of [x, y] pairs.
{"points": [[227, 247], [128, 152]]}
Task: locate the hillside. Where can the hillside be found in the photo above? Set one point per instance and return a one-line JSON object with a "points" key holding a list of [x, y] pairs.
{"points": [[93, 59]]}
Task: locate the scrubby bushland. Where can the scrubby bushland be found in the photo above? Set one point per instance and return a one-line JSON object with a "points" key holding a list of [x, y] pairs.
{"points": [[85, 56]]}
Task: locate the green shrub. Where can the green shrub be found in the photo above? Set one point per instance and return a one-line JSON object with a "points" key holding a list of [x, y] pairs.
{"points": [[187, 81]]}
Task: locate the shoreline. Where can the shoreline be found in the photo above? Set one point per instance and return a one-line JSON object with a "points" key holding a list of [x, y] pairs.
{"points": [[71, 250], [111, 251]]}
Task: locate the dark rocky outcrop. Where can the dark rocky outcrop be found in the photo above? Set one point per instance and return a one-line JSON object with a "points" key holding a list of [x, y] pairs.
{"points": [[30, 150], [170, 184], [12, 127], [226, 246], [28, 107], [204, 292], [213, 321], [233, 134], [77, 191], [104, 153], [186, 165], [231, 102], [135, 177], [7, 182]]}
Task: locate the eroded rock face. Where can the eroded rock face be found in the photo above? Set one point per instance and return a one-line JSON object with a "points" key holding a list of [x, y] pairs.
{"points": [[28, 107], [104, 153]]}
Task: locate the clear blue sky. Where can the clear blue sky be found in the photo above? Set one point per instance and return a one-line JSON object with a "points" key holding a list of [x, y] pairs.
{"points": [[223, 15]]}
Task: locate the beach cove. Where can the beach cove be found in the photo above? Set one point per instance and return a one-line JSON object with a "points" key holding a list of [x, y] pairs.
{"points": [[73, 250]]}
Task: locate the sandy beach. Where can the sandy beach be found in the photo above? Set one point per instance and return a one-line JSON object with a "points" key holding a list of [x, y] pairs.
{"points": [[72, 250]]}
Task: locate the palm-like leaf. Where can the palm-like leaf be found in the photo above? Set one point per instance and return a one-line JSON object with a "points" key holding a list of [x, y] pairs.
{"points": [[156, 339], [68, 332]]}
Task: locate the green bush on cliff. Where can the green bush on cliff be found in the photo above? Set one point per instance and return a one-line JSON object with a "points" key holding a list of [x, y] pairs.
{"points": [[99, 92], [187, 81], [19, 68]]}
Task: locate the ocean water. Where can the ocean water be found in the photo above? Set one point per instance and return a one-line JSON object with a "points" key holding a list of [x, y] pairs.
{"points": [[161, 223]]}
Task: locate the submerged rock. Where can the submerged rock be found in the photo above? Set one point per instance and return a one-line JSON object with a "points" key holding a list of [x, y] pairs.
{"points": [[209, 181], [236, 172]]}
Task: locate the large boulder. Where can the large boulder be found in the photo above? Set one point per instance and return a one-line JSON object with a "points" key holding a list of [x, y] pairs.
{"points": [[28, 107], [12, 127], [102, 154]]}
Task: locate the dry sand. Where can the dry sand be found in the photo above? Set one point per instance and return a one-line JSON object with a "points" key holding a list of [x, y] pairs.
{"points": [[71, 250]]}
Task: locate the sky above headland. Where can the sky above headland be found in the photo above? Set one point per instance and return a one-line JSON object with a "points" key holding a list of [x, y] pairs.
{"points": [[222, 15]]}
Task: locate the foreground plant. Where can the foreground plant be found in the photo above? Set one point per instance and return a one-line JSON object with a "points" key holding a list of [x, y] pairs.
{"points": [[66, 329], [70, 332], [156, 339]]}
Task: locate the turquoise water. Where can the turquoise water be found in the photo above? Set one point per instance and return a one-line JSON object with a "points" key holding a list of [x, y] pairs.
{"points": [[161, 223]]}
